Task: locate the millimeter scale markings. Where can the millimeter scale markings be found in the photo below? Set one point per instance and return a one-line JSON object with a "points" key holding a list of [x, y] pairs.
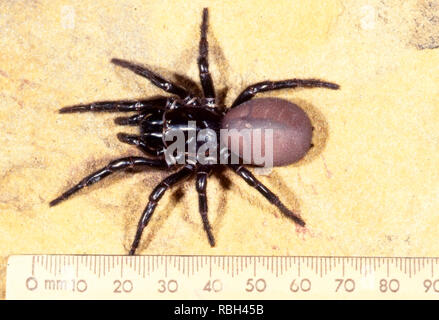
{"points": [[221, 277]]}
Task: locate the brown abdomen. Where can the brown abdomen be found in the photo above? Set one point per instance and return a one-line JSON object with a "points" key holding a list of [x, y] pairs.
{"points": [[291, 128]]}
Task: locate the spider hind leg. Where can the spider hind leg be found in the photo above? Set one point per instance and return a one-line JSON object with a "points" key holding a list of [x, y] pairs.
{"points": [[270, 196], [249, 92]]}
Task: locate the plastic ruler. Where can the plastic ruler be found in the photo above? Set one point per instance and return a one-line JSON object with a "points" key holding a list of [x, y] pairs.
{"points": [[221, 277]]}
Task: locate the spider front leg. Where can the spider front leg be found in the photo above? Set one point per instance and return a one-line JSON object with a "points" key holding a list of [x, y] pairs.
{"points": [[112, 167], [203, 64], [117, 106], [264, 86], [154, 198], [155, 79], [201, 184], [270, 196]]}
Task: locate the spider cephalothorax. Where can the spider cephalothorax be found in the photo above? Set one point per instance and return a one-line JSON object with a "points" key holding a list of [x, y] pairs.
{"points": [[191, 115]]}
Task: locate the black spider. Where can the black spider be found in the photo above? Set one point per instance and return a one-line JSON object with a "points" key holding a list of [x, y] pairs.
{"points": [[156, 117]]}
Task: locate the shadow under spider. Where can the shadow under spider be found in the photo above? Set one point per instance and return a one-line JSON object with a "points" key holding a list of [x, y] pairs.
{"points": [[320, 133]]}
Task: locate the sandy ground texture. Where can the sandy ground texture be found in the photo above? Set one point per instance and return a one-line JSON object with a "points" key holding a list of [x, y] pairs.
{"points": [[369, 187]]}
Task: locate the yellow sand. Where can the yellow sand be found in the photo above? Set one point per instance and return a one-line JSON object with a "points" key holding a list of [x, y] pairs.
{"points": [[369, 187]]}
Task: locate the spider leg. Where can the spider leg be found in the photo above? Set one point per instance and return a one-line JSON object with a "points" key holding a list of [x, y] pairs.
{"points": [[270, 196], [264, 86], [203, 64], [113, 166], [130, 121], [139, 143], [201, 185], [155, 79], [117, 106], [154, 198], [132, 140]]}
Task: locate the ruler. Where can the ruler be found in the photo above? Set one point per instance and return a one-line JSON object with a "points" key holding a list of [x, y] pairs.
{"points": [[220, 277]]}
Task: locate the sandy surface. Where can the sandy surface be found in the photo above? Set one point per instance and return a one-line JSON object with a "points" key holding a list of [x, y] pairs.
{"points": [[370, 187]]}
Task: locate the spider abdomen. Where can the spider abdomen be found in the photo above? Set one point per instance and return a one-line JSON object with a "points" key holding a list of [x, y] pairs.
{"points": [[290, 126]]}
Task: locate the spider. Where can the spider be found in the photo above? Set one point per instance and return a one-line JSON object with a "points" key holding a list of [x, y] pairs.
{"points": [[156, 116]]}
